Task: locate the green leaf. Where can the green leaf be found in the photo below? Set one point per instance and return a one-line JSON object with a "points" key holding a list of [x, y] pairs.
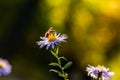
{"points": [[67, 65], [54, 64], [53, 54], [66, 75], [57, 50], [56, 71], [63, 58]]}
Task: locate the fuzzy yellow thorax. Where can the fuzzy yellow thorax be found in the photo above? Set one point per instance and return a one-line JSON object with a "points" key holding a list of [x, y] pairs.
{"points": [[51, 37]]}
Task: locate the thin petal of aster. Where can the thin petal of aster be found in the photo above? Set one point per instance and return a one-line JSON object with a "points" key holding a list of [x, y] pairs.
{"points": [[42, 45], [105, 75], [39, 42], [43, 38], [48, 46], [56, 43], [111, 74], [61, 39], [58, 35], [64, 36], [92, 71], [53, 45]]}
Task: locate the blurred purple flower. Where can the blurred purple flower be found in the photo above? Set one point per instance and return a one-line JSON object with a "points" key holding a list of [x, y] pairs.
{"points": [[5, 67], [51, 38], [99, 72]]}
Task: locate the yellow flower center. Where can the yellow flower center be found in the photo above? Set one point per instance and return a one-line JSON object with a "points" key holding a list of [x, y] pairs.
{"points": [[100, 67], [51, 37], [1, 65]]}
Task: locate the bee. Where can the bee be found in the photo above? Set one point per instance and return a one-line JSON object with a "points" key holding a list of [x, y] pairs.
{"points": [[50, 32]]}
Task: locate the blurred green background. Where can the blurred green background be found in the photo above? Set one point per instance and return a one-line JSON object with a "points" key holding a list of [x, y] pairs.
{"points": [[93, 28]]}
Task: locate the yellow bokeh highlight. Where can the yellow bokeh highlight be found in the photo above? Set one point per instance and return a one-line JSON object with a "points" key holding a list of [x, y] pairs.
{"points": [[82, 18], [102, 37], [81, 21], [109, 8], [115, 66], [57, 15], [93, 57], [58, 11], [55, 3]]}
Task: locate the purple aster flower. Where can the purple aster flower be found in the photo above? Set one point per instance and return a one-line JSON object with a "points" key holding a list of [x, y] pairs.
{"points": [[5, 67], [51, 38], [99, 72]]}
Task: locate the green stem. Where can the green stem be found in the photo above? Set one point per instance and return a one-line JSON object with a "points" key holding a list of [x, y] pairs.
{"points": [[59, 62]]}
